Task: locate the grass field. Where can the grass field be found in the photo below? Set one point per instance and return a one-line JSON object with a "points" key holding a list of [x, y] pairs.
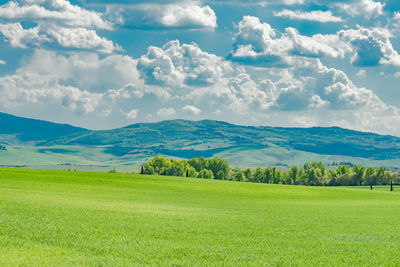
{"points": [[75, 218], [103, 159]]}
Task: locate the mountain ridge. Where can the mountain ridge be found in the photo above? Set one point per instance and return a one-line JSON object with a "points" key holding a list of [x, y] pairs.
{"points": [[186, 138], [27, 130]]}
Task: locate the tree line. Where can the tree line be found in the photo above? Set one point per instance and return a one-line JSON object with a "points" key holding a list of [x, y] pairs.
{"points": [[311, 173]]}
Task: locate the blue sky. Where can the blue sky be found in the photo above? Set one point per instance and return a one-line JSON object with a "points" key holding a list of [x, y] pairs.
{"points": [[105, 64]]}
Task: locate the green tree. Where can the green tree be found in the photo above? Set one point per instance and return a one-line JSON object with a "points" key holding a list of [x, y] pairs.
{"points": [[208, 174], [359, 174], [259, 175], [247, 174], [237, 174], [176, 170], [294, 174], [370, 177]]}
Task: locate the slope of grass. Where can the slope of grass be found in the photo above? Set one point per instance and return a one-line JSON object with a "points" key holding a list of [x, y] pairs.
{"points": [[72, 218], [105, 158]]}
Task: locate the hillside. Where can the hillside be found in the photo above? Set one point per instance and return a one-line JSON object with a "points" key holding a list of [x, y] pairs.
{"points": [[186, 139], [35, 142], [16, 130]]}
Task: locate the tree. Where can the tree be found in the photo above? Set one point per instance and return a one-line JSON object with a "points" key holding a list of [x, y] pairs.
{"points": [[294, 174], [191, 172], [370, 177], [158, 165], [206, 174], [359, 174], [219, 167], [247, 174], [237, 174], [259, 175], [269, 175]]}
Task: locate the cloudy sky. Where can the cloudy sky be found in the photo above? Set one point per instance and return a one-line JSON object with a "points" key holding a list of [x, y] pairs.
{"points": [[282, 63]]}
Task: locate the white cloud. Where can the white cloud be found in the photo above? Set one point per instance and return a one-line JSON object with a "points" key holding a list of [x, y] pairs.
{"points": [[191, 110], [55, 11], [84, 69], [19, 37], [320, 16], [371, 46], [257, 43], [166, 112], [131, 115], [74, 86], [261, 3], [362, 74], [367, 8], [305, 88], [26, 89], [96, 91], [186, 15], [293, 2], [79, 38], [2, 62], [328, 45], [181, 65]]}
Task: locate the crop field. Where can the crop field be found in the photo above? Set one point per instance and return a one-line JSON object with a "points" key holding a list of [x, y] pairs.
{"points": [[76, 218]]}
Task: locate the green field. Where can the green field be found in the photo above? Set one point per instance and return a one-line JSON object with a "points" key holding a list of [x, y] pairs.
{"points": [[100, 159], [75, 218]]}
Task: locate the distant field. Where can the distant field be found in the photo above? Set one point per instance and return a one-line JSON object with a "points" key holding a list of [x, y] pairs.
{"points": [[103, 159], [74, 218]]}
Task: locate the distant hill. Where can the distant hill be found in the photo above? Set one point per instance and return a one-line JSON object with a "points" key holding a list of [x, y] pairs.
{"points": [[185, 139], [15, 129], [51, 143]]}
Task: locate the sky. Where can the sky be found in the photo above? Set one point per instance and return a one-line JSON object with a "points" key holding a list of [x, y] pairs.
{"points": [[106, 64]]}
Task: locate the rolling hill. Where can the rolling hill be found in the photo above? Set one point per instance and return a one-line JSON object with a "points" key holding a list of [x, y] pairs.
{"points": [[240, 145], [185, 139], [18, 130]]}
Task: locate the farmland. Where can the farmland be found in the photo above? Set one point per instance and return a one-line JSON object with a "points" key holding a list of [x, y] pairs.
{"points": [[81, 218]]}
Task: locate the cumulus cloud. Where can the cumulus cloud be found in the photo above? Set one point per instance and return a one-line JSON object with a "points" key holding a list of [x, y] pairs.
{"points": [[78, 38], [371, 46], [83, 69], [21, 90], [305, 85], [109, 91], [293, 2], [367, 8], [191, 110], [166, 112], [55, 11], [131, 115], [54, 23], [81, 84], [257, 42], [362, 73], [181, 65], [19, 37], [319, 16], [186, 15], [2, 62]]}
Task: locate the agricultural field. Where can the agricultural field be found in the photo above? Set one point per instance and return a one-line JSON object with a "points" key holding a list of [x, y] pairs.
{"points": [[80, 218]]}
